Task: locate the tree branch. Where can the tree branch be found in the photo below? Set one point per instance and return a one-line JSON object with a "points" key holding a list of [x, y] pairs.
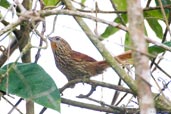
{"points": [[111, 109], [141, 62], [95, 83]]}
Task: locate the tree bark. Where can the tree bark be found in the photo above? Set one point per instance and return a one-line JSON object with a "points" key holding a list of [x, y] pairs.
{"points": [[141, 61]]}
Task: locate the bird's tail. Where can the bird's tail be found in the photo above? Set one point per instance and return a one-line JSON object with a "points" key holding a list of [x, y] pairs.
{"points": [[122, 59]]}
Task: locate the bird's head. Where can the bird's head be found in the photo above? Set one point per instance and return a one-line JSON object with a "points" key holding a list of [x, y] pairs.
{"points": [[59, 45]]}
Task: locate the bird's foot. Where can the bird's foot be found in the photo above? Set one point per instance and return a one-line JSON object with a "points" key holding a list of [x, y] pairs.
{"points": [[85, 79]]}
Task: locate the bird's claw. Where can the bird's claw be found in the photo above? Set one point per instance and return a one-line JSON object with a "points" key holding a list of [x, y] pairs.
{"points": [[85, 79], [93, 88]]}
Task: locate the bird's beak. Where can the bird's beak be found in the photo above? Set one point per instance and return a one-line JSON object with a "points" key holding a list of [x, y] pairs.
{"points": [[50, 38]]}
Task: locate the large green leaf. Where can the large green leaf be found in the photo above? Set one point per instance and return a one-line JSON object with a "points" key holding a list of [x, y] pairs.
{"points": [[30, 81], [110, 30], [156, 27], [152, 18], [121, 5], [4, 3]]}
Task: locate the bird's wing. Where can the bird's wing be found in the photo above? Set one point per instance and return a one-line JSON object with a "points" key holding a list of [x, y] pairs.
{"points": [[81, 57]]}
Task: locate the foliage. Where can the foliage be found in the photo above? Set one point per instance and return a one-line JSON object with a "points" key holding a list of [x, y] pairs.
{"points": [[151, 16], [4, 3], [30, 81]]}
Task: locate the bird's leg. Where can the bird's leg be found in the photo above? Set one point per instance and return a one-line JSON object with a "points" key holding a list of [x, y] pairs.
{"points": [[85, 78], [93, 88]]}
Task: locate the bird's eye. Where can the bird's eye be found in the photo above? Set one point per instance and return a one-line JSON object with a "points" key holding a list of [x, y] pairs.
{"points": [[57, 38]]}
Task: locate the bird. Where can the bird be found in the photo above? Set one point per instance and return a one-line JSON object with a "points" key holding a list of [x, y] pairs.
{"points": [[76, 65]]}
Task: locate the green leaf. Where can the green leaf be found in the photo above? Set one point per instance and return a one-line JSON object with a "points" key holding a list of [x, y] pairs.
{"points": [[51, 2], [157, 50], [153, 14], [120, 4], [4, 3], [110, 30], [164, 2], [83, 1], [30, 81], [156, 27], [83, 4], [128, 42], [152, 18]]}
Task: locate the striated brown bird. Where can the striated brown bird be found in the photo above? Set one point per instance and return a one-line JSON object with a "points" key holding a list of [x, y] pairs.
{"points": [[76, 65]]}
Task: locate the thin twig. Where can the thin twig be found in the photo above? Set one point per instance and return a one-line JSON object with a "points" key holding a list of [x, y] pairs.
{"points": [[43, 110], [148, 3], [157, 66], [41, 41], [116, 93], [121, 99], [80, 14], [123, 12], [15, 106]]}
